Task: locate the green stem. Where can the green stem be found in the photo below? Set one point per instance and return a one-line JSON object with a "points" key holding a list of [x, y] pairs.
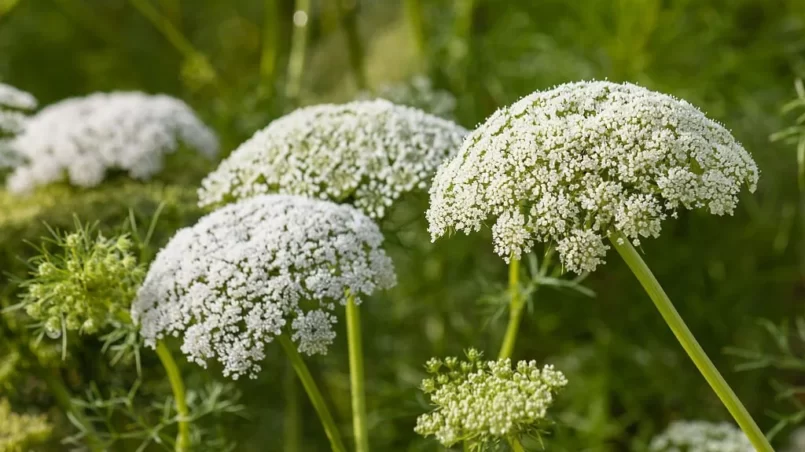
{"points": [[164, 25], [330, 428], [293, 417], [271, 40], [515, 445], [349, 21], [461, 40], [416, 23], [63, 398], [516, 305], [356, 379], [177, 386], [689, 343], [296, 59]]}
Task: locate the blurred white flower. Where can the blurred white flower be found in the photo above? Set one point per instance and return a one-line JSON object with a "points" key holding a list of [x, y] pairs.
{"points": [[252, 270], [11, 97], [796, 442], [80, 139], [14, 104], [574, 163], [367, 153], [483, 401], [419, 92], [701, 436]]}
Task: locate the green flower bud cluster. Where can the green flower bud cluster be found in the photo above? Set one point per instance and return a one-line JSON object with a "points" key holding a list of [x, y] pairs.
{"points": [[486, 401], [85, 283], [19, 432]]}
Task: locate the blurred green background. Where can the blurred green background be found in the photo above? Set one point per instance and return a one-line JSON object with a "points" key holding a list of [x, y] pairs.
{"points": [[735, 59]]}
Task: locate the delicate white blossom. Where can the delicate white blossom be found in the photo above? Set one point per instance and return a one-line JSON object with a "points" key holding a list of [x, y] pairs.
{"points": [[268, 265], [483, 401], [80, 139], [14, 104], [701, 436], [366, 152], [572, 164]]}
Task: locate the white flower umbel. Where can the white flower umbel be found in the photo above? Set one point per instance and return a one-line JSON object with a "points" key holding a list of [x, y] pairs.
{"points": [[569, 165], [80, 139], [367, 153], [701, 436], [255, 269], [14, 104], [482, 401], [589, 161]]}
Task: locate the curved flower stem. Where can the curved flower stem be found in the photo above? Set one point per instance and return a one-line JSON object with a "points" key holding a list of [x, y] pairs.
{"points": [[336, 443], [63, 398], [516, 305], [293, 427], [177, 386], [689, 343], [296, 60], [356, 376]]}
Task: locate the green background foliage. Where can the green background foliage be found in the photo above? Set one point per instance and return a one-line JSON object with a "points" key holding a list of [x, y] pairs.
{"points": [[736, 59]]}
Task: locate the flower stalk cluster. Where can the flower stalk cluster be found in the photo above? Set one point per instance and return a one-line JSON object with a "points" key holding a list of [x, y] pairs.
{"points": [[481, 401]]}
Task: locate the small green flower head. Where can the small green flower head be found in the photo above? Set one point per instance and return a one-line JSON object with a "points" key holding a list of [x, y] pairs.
{"points": [[487, 401], [367, 153], [84, 284], [701, 436], [20, 432], [572, 164]]}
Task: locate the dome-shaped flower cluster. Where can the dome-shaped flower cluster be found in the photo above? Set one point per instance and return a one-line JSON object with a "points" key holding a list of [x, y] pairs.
{"points": [[572, 164], [81, 139], [367, 153], [252, 270], [701, 436], [14, 103], [484, 401], [84, 284]]}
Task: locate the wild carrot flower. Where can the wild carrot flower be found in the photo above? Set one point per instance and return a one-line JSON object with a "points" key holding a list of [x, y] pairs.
{"points": [[367, 153], [82, 139], [571, 164], [481, 401], [87, 282], [256, 269], [701, 436], [14, 104], [21, 432]]}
